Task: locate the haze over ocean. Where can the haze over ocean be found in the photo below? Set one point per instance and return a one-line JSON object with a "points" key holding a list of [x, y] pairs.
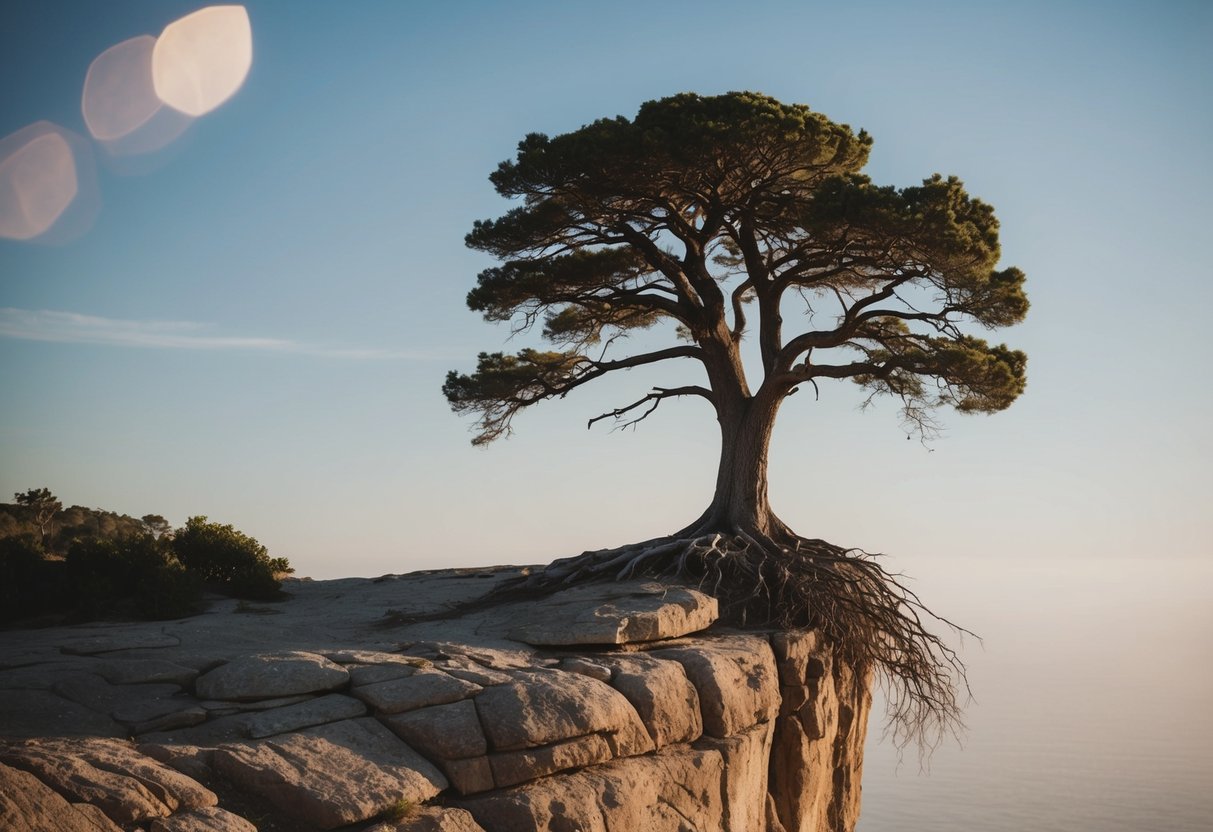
{"points": [[257, 322]]}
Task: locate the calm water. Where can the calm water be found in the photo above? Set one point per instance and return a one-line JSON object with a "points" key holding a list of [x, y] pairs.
{"points": [[1094, 707]]}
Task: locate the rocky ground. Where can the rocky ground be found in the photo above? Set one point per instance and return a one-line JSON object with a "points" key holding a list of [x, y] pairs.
{"points": [[612, 707]]}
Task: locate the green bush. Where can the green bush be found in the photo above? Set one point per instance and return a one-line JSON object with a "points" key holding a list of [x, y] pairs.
{"points": [[29, 584], [229, 559], [132, 575]]}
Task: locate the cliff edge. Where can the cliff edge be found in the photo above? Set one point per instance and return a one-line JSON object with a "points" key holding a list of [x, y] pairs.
{"points": [[603, 708]]}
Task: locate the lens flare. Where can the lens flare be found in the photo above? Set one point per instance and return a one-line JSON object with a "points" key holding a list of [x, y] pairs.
{"points": [[120, 105], [201, 60], [37, 180]]}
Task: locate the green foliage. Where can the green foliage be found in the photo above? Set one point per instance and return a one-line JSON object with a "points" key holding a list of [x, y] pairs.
{"points": [[29, 583], [703, 207], [230, 559], [132, 575]]}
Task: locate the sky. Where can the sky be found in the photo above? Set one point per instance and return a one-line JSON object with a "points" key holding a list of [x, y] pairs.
{"points": [[256, 323]]}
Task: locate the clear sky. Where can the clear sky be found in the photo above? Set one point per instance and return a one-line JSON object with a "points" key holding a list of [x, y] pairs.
{"points": [[257, 324]]}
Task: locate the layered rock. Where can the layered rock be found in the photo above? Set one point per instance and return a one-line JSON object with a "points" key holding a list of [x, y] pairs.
{"points": [[611, 707]]}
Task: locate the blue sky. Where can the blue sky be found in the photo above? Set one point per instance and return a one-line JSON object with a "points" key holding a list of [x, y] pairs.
{"points": [[258, 321]]}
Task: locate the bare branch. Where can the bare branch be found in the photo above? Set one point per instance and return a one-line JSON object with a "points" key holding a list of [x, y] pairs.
{"points": [[654, 398]]}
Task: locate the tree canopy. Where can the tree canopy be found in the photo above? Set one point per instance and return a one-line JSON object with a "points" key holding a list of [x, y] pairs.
{"points": [[717, 214]]}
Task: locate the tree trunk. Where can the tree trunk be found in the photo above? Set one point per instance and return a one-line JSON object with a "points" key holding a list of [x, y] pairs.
{"points": [[740, 503]]}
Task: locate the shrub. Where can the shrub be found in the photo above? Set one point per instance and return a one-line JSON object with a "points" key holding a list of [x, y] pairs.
{"points": [[135, 574], [29, 584], [230, 559]]}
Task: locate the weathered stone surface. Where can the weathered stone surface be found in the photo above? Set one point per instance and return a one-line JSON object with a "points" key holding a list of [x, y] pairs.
{"points": [[211, 819], [191, 760], [480, 675], [423, 688], [327, 783], [39, 713], [146, 671], [470, 776], [318, 711], [271, 675], [513, 767], [817, 754], [125, 703], [432, 819], [800, 656], [595, 670], [126, 785], [441, 732], [257, 705], [170, 721], [678, 789], [91, 642], [28, 805], [662, 695], [746, 758], [736, 678], [355, 656], [369, 674], [616, 614], [97, 817], [543, 707]]}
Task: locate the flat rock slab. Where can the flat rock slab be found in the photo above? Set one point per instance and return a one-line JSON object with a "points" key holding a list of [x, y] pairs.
{"points": [[616, 613], [332, 776], [661, 693], [322, 709], [126, 638], [271, 675], [39, 713], [441, 732], [420, 689]]}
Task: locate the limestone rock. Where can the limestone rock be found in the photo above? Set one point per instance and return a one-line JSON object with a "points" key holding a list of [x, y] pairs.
{"points": [[318, 711], [211, 819], [746, 758], [270, 675], [736, 678], [545, 707], [144, 671], [422, 688], [613, 613], [431, 819], [28, 805], [678, 789], [443, 732], [662, 694], [127, 786], [513, 767], [40, 713], [331, 783]]}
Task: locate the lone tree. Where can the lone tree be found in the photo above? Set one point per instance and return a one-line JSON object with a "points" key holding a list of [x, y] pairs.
{"points": [[719, 216], [43, 503]]}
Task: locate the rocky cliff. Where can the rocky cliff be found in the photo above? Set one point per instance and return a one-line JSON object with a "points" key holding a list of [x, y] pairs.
{"points": [[610, 708]]}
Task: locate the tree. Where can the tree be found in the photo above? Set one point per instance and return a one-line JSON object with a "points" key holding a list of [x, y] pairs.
{"points": [[45, 506], [156, 525], [717, 217], [224, 556]]}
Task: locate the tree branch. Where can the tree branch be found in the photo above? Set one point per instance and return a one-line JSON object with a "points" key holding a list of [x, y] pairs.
{"points": [[658, 395]]}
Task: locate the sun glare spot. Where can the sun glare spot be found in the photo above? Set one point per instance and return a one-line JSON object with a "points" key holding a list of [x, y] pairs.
{"points": [[201, 60], [120, 104], [37, 180]]}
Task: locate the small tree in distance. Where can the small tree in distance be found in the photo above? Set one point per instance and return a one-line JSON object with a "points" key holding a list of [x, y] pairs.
{"points": [[44, 504], [717, 217]]}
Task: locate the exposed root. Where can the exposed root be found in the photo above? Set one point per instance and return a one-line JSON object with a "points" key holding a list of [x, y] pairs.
{"points": [[871, 618]]}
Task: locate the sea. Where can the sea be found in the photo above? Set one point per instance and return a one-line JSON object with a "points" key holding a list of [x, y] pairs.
{"points": [[1092, 702]]}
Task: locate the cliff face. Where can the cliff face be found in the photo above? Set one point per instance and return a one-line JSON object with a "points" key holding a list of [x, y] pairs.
{"points": [[610, 708]]}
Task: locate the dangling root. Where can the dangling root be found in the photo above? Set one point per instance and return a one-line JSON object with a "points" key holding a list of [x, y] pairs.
{"points": [[872, 619]]}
